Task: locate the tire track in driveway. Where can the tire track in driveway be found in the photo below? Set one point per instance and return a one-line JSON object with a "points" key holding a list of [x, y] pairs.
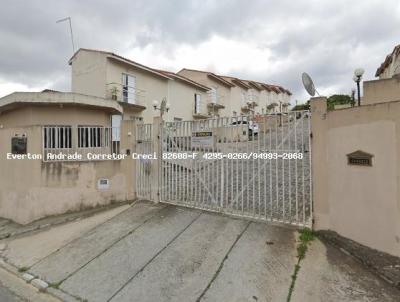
{"points": [[223, 262]]}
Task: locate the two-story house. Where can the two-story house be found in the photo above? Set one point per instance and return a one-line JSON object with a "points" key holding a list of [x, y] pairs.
{"points": [[242, 102], [136, 87], [219, 95]]}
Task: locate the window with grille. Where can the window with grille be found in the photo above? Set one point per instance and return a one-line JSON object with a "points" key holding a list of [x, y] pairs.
{"points": [[57, 137], [93, 137]]}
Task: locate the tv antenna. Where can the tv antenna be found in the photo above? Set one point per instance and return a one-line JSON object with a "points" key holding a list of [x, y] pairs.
{"points": [[70, 29], [309, 84]]}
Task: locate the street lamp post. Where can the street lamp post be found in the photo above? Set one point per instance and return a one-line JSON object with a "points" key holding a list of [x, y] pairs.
{"points": [[358, 73], [164, 107]]}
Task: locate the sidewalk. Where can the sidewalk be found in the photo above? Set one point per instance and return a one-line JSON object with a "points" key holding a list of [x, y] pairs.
{"points": [[9, 228]]}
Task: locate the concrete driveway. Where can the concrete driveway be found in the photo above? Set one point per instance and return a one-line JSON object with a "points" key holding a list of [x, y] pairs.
{"points": [[153, 252]]}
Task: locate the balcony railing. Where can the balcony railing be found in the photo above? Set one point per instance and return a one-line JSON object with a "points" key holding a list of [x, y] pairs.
{"points": [[67, 143], [215, 100], [252, 99], [127, 94]]}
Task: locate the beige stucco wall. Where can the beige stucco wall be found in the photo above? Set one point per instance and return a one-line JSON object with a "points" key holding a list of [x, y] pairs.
{"points": [[54, 115], [181, 99], [88, 73], [32, 189], [236, 101], [150, 87], [379, 91], [223, 91], [360, 203]]}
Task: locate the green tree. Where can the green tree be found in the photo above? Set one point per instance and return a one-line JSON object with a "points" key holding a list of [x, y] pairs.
{"points": [[338, 99], [304, 106]]}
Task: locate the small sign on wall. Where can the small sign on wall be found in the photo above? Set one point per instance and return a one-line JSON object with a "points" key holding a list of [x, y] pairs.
{"points": [[103, 184], [19, 145], [359, 158], [202, 140]]}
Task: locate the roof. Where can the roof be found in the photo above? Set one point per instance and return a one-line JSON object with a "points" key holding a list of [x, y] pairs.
{"points": [[17, 99], [184, 79], [211, 75], [247, 84], [254, 85], [121, 59], [389, 59], [236, 81]]}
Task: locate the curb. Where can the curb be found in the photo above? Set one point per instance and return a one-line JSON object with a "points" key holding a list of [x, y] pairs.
{"points": [[361, 260], [38, 283], [62, 221]]}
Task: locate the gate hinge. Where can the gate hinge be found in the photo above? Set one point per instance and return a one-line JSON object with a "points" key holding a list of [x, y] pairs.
{"points": [[310, 134]]}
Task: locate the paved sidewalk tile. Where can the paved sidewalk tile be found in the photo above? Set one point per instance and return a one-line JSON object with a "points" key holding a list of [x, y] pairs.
{"points": [[70, 258], [25, 251]]}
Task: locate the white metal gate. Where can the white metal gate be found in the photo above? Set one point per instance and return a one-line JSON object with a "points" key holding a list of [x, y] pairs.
{"points": [[144, 145], [227, 165]]}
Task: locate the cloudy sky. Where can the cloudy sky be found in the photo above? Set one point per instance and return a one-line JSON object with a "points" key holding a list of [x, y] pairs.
{"points": [[270, 41]]}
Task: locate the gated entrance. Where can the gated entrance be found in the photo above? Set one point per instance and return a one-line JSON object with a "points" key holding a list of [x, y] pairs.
{"points": [[256, 167], [144, 145]]}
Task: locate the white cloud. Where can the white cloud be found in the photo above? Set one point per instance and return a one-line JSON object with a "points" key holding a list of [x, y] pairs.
{"points": [[272, 41], [10, 87], [218, 54]]}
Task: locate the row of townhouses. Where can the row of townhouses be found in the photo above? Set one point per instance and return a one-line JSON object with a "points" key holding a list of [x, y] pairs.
{"points": [[191, 94]]}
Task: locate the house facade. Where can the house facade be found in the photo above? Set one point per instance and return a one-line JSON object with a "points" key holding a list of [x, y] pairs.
{"points": [[387, 87], [241, 97], [219, 95], [136, 87], [52, 154]]}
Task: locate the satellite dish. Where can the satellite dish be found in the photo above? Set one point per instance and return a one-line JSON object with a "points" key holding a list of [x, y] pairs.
{"points": [[308, 84]]}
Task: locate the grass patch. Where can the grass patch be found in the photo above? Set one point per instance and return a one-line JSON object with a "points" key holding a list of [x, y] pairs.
{"points": [[305, 238], [23, 269], [55, 285]]}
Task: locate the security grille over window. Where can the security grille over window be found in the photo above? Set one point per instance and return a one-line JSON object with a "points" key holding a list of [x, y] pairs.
{"points": [[57, 137], [93, 137], [82, 140]]}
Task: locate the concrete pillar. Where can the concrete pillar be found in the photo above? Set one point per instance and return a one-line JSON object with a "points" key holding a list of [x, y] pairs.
{"points": [[319, 162], [156, 164]]}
